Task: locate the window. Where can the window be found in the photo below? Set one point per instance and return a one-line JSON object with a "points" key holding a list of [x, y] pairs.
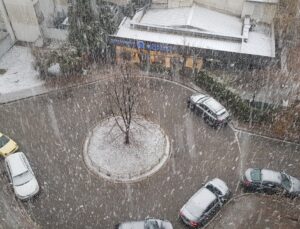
{"points": [[286, 183], [3, 140]]}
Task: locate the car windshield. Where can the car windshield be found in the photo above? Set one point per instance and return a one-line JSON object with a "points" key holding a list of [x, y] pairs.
{"points": [[23, 178], [151, 224], [214, 190], [286, 183], [3, 140], [256, 175]]}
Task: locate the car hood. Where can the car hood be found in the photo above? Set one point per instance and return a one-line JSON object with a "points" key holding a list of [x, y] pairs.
{"points": [[132, 225], [295, 184], [223, 114], [8, 147], [248, 174], [27, 190]]}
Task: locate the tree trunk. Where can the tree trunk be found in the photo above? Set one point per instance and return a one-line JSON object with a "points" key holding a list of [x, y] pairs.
{"points": [[127, 137]]}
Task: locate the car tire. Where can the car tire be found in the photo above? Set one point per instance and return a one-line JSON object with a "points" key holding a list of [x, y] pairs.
{"points": [[192, 106], [208, 121]]}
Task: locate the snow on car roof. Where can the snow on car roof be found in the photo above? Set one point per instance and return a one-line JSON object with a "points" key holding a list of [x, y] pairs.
{"points": [[200, 201], [219, 184], [197, 97], [270, 175], [213, 104], [16, 164]]}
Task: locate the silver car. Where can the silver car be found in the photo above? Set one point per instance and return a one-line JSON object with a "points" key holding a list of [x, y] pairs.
{"points": [[209, 108], [205, 203], [271, 181], [146, 224], [21, 176]]}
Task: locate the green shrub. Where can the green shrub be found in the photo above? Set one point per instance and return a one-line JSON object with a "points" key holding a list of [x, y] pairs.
{"points": [[240, 108], [67, 57]]}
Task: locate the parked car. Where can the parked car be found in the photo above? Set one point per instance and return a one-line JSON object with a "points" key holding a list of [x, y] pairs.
{"points": [[7, 145], [210, 109], [201, 207], [271, 181], [146, 224], [21, 176]]}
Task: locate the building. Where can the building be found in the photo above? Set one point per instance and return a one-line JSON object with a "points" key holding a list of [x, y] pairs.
{"points": [[31, 21], [190, 32]]}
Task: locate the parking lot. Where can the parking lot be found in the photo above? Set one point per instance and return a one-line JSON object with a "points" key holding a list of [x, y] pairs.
{"points": [[51, 130]]}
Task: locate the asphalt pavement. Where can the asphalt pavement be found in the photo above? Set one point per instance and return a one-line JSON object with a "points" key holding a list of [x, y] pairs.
{"points": [[52, 128]]}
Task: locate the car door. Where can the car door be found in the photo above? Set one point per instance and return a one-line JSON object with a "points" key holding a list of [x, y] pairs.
{"points": [[8, 172], [211, 210], [200, 108], [270, 187]]}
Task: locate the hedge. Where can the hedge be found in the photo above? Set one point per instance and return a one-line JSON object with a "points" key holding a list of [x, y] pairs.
{"points": [[240, 108]]}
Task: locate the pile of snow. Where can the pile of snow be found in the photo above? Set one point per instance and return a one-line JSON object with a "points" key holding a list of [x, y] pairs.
{"points": [[19, 73], [106, 153]]}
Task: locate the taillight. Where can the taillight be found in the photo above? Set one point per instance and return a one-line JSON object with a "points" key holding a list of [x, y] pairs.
{"points": [[247, 183], [194, 224]]}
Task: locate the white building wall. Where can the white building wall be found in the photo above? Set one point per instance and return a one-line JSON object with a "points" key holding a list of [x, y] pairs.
{"points": [[50, 9], [260, 12], [229, 6], [119, 2], [180, 3], [23, 19]]}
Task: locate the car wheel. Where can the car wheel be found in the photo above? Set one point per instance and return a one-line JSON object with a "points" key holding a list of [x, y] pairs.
{"points": [[192, 106], [209, 121]]}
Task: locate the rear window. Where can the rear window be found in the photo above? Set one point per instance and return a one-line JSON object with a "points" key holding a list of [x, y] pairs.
{"points": [[256, 175], [3, 141]]}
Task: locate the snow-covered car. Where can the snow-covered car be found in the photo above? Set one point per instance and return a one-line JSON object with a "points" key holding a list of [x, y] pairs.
{"points": [[210, 109], [7, 145], [271, 181], [146, 224], [21, 176], [201, 207]]}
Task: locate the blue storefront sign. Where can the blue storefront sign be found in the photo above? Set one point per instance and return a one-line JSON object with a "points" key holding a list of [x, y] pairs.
{"points": [[150, 46]]}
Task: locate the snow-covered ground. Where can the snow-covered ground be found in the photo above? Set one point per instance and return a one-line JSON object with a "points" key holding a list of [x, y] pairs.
{"points": [[106, 153], [17, 66]]}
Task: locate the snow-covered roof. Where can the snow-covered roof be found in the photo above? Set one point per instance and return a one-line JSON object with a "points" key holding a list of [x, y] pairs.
{"points": [[198, 27], [213, 104], [202, 199], [270, 175], [264, 1], [16, 164], [219, 184], [196, 17]]}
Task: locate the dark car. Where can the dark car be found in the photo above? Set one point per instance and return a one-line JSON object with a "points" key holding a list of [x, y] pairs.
{"points": [[146, 224], [210, 109], [271, 181], [202, 206]]}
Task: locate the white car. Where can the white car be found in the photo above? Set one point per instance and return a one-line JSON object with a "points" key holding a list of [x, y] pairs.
{"points": [[209, 108], [205, 203], [146, 224], [271, 181], [21, 176]]}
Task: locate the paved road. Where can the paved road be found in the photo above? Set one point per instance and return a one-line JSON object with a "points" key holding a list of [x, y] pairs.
{"points": [[260, 212], [52, 128]]}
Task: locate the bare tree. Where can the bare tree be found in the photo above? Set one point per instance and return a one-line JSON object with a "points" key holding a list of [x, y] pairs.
{"points": [[122, 94]]}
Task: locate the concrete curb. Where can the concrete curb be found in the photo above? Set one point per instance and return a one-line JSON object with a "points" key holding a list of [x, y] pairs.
{"points": [[100, 172], [238, 197]]}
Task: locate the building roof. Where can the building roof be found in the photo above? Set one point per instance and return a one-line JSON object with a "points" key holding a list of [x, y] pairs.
{"points": [[198, 27], [264, 1]]}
